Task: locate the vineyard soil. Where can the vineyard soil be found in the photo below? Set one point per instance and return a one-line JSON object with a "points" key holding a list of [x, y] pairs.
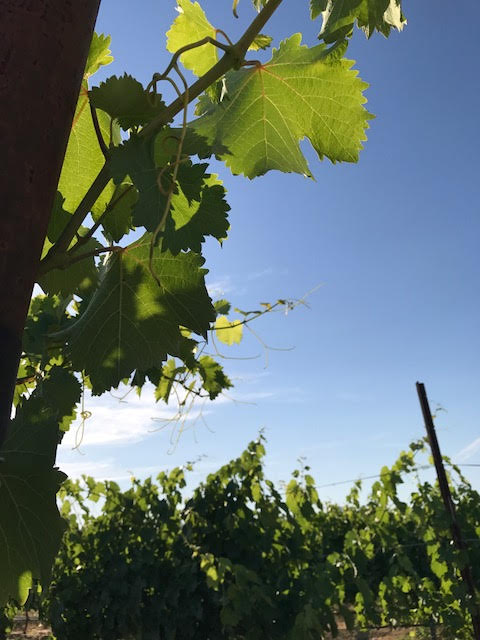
{"points": [[37, 631]]}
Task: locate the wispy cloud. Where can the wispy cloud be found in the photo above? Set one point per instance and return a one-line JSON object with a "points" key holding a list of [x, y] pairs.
{"points": [[121, 422], [467, 452], [220, 287], [100, 470]]}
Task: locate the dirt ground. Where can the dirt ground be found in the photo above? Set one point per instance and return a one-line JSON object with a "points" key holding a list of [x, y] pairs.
{"points": [[36, 631]]}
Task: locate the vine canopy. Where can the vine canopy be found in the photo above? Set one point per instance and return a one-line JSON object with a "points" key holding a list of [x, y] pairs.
{"points": [[117, 309]]}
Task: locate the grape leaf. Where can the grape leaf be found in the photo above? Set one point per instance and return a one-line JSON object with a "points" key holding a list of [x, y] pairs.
{"points": [[117, 220], [164, 387], [190, 222], [260, 42], [166, 143], [84, 158], [78, 278], [98, 55], [222, 306], [371, 15], [190, 26], [131, 322], [259, 4], [126, 100], [301, 92], [228, 332], [31, 533], [213, 376], [58, 219], [316, 8], [44, 316], [135, 158]]}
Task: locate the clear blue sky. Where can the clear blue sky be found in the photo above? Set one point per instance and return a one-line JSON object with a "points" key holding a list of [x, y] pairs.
{"points": [[394, 241]]}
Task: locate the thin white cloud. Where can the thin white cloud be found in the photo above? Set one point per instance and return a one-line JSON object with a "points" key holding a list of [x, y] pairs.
{"points": [[467, 452], [117, 421], [220, 287], [120, 422], [100, 470]]}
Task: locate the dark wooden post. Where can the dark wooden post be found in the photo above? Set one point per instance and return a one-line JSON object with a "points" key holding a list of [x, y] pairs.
{"points": [[457, 537], [43, 50]]}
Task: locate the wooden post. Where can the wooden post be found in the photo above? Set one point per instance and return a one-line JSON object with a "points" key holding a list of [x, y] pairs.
{"points": [[43, 50], [457, 537]]}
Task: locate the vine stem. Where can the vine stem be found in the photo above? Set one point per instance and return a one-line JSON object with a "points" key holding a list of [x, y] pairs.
{"points": [[232, 58]]}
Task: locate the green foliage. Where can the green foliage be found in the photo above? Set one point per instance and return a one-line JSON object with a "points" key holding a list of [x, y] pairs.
{"points": [[117, 311], [339, 18], [125, 100], [134, 319], [228, 331], [301, 92], [7, 615], [28, 484], [235, 558], [190, 26]]}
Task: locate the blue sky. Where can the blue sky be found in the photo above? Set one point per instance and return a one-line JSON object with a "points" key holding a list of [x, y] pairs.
{"points": [[393, 240]]}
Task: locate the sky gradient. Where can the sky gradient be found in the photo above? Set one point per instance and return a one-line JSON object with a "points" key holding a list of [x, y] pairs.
{"points": [[393, 241]]}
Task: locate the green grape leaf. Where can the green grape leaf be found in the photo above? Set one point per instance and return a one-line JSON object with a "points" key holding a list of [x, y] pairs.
{"points": [[316, 8], [32, 531], [192, 178], [78, 278], [213, 376], [98, 55], [132, 322], [44, 316], [302, 92], [117, 219], [371, 15], [164, 387], [259, 4], [222, 307], [190, 222], [84, 158], [58, 219], [126, 100], [190, 26], [228, 332], [135, 158], [166, 143], [260, 42]]}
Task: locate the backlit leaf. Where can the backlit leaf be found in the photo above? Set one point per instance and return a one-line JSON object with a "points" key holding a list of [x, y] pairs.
{"points": [[190, 222], [302, 92], [132, 322], [228, 332], [99, 54], [214, 378], [117, 221], [125, 100], [371, 15], [77, 278], [260, 42], [190, 26], [84, 158], [135, 158]]}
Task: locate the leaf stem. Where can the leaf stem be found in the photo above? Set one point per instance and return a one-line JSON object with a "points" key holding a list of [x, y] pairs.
{"points": [[96, 126]]}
